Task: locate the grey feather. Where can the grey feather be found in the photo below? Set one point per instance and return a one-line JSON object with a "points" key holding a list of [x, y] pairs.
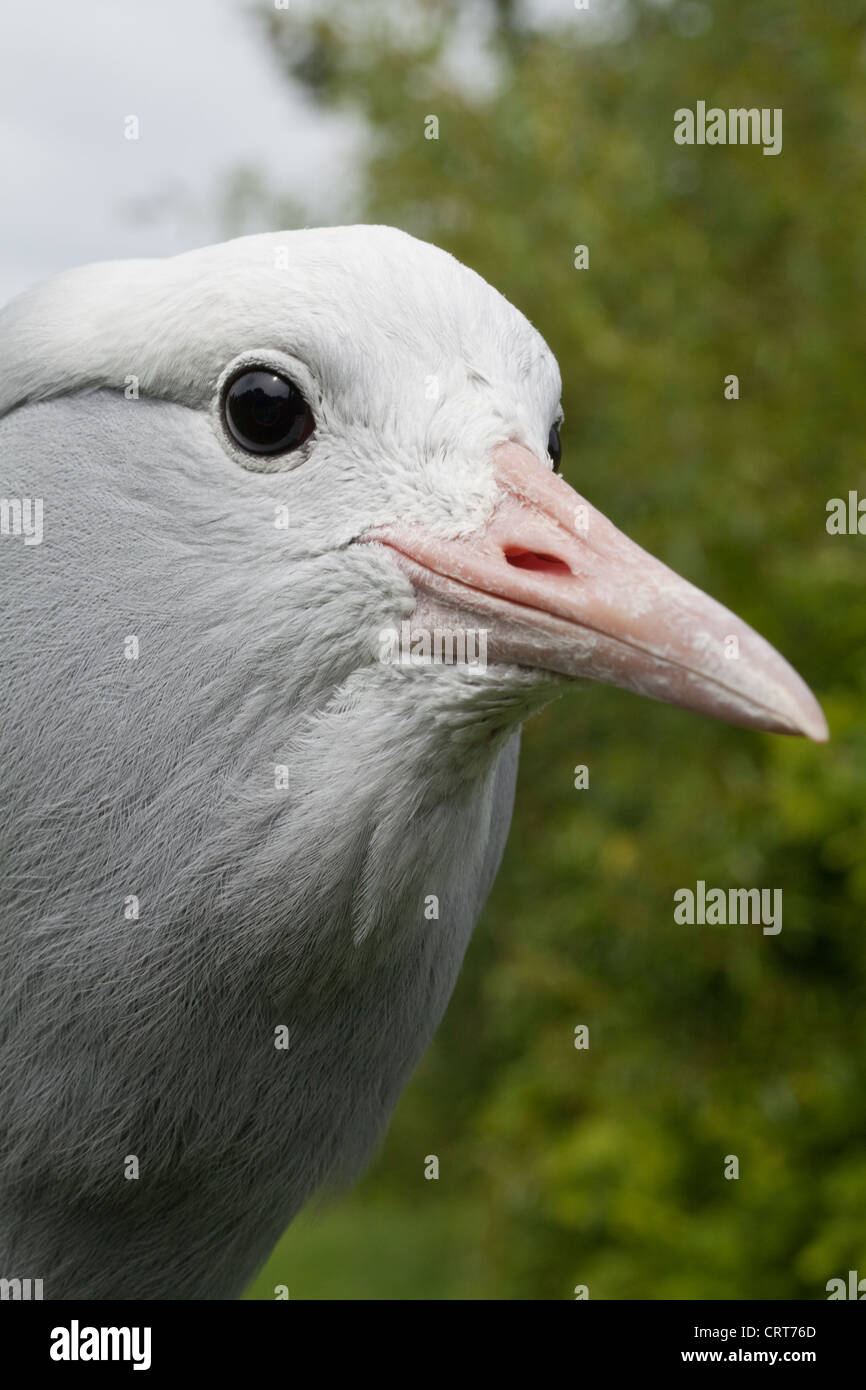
{"points": [[260, 906]]}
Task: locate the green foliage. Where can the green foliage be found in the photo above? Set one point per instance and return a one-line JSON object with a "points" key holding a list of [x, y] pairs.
{"points": [[605, 1166]]}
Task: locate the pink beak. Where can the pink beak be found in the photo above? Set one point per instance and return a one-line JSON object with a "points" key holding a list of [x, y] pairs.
{"points": [[558, 587]]}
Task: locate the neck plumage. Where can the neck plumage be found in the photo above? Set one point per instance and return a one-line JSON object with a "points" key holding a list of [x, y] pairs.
{"points": [[240, 882]]}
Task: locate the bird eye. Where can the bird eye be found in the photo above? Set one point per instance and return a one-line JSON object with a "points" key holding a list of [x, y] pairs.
{"points": [[554, 447], [266, 414]]}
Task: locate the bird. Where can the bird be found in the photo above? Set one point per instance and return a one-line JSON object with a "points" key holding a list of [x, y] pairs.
{"points": [[251, 810]]}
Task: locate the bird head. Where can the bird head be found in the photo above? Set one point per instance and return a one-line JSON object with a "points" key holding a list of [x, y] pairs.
{"points": [[363, 432]]}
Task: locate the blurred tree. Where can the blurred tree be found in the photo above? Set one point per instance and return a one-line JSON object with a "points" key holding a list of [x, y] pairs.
{"points": [[605, 1166]]}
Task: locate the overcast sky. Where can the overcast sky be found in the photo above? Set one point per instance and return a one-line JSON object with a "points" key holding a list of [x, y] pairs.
{"points": [[209, 97], [198, 75]]}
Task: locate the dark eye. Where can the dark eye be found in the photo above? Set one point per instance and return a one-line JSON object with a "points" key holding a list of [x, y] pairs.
{"points": [[554, 447], [266, 414]]}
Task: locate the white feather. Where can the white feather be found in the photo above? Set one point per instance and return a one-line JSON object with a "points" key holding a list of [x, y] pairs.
{"points": [[260, 906]]}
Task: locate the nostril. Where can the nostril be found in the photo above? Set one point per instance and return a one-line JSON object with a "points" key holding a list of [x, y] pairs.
{"points": [[535, 560]]}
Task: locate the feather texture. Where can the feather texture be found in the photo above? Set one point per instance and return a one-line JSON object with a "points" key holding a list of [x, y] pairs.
{"points": [[266, 901]]}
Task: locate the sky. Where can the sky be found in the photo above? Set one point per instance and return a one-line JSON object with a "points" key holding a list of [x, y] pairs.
{"points": [[198, 75], [209, 97]]}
